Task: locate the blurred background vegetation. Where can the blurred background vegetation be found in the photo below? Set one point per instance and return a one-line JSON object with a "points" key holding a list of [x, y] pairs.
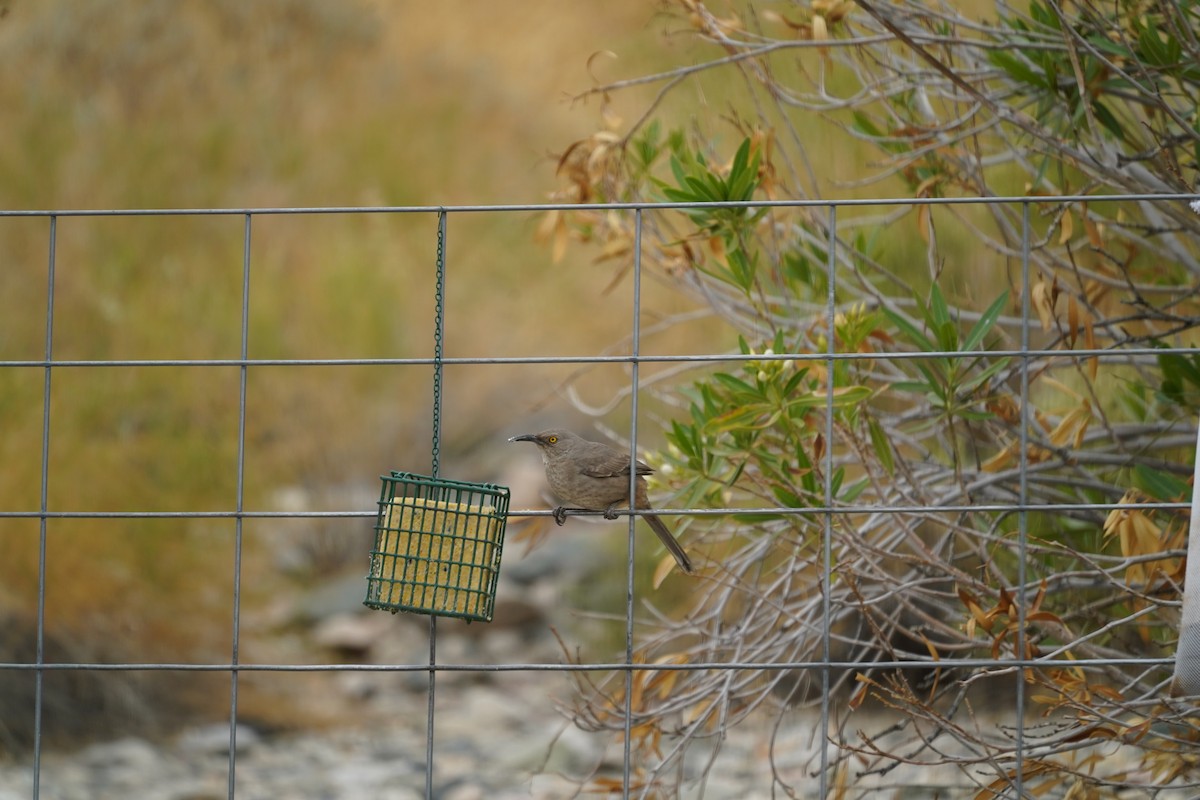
{"points": [[120, 105]]}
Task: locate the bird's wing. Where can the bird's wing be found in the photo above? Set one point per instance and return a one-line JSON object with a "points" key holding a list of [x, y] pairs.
{"points": [[605, 462]]}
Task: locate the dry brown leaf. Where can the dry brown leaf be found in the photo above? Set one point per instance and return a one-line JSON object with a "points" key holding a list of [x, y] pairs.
{"points": [[1089, 341], [1010, 455], [1072, 320], [923, 222], [859, 694], [612, 120], [661, 682], [1005, 407], [591, 60], [1001, 786], [1043, 297], [832, 10], [699, 711], [618, 245], [716, 246], [1094, 232], [533, 531], [1073, 426], [665, 567], [820, 31], [1066, 226], [978, 615], [1002, 460]]}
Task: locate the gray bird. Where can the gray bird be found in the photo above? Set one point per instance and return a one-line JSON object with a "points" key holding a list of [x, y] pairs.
{"points": [[595, 477]]}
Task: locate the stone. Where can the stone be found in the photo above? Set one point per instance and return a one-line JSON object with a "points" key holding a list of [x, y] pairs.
{"points": [[213, 740], [350, 634]]}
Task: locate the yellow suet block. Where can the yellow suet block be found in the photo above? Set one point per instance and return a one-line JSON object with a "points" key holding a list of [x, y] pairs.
{"points": [[436, 556]]}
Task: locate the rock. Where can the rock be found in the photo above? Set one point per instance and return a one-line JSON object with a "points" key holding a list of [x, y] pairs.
{"points": [[464, 791], [127, 752], [364, 777], [339, 595], [352, 635], [563, 553], [213, 740]]}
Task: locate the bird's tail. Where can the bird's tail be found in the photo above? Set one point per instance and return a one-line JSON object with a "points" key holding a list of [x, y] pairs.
{"points": [[669, 542]]}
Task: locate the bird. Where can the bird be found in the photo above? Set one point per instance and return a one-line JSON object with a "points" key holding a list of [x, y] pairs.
{"points": [[595, 477]]}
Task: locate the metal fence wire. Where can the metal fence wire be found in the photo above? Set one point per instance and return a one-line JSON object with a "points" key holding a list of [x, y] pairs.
{"points": [[1066, 695]]}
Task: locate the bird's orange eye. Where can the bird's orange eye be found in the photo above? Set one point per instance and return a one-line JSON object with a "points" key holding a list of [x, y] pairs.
{"points": [[551, 439]]}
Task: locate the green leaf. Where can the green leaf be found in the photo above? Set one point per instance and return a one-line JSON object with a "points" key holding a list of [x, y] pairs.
{"points": [[1017, 69], [682, 438], [1151, 47], [1178, 370], [741, 160], [881, 445], [947, 336], [910, 331], [1158, 484], [777, 345], [912, 386], [849, 395], [678, 170], [835, 481], [743, 174], [749, 416], [939, 312], [794, 382], [1043, 16], [854, 490], [788, 498], [979, 378], [680, 195], [845, 396], [863, 124], [932, 382], [703, 191], [1108, 120], [743, 269], [737, 385], [985, 323]]}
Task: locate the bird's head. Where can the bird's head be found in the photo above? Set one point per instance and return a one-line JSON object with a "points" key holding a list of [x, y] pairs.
{"points": [[548, 440]]}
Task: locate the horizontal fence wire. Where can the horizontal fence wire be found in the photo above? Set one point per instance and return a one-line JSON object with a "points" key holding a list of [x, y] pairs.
{"points": [[627, 206], [826, 510], [709, 358]]}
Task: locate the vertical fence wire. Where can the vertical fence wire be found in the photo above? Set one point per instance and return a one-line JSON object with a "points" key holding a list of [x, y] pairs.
{"points": [[40, 654], [240, 505], [1023, 502], [439, 330], [827, 517], [635, 353]]}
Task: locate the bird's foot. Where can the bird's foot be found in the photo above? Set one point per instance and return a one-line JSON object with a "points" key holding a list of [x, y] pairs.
{"points": [[611, 512], [560, 515]]}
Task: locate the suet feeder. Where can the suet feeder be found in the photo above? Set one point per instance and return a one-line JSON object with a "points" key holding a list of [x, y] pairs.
{"points": [[437, 547]]}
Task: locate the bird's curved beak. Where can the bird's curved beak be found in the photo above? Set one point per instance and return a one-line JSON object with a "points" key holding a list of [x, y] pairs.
{"points": [[525, 437]]}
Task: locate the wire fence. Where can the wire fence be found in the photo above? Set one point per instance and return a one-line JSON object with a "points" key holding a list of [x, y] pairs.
{"points": [[830, 511]]}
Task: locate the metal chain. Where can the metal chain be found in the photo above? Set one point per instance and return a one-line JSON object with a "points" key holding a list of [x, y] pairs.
{"points": [[438, 330]]}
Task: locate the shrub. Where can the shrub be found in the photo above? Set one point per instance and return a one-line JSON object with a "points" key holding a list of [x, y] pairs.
{"points": [[998, 376]]}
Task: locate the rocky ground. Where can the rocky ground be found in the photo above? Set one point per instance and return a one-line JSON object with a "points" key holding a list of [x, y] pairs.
{"points": [[498, 735]]}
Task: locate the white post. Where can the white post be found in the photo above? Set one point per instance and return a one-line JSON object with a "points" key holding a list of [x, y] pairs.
{"points": [[1187, 655]]}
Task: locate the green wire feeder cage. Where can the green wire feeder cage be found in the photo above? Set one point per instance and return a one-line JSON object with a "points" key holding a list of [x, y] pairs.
{"points": [[437, 547]]}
